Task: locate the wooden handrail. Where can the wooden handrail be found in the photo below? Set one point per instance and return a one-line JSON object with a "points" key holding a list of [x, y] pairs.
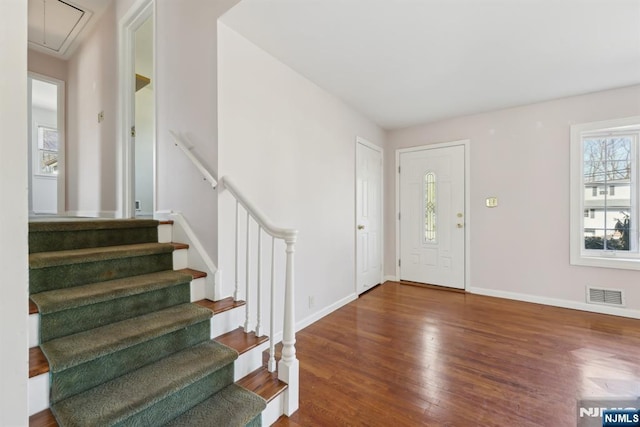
{"points": [[287, 234], [197, 163], [288, 366]]}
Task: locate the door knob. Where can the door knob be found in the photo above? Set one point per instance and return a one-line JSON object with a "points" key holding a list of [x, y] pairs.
{"points": [[360, 227]]}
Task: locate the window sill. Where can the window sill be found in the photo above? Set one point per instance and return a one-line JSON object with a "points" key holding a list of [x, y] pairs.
{"points": [[607, 262]]}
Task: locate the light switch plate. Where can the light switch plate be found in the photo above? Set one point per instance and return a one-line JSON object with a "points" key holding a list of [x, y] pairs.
{"points": [[491, 202]]}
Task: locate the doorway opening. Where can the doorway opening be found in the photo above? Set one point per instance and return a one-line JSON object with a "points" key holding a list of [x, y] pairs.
{"points": [[46, 136], [137, 123], [144, 121]]}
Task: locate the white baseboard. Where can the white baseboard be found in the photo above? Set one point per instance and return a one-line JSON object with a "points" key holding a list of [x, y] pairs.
{"points": [[389, 278], [327, 310], [575, 305], [92, 214]]}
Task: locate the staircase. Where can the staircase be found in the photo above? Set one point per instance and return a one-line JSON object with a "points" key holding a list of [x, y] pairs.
{"points": [[120, 340]]}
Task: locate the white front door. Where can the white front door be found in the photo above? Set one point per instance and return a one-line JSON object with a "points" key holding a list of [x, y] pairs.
{"points": [[368, 216], [432, 223]]}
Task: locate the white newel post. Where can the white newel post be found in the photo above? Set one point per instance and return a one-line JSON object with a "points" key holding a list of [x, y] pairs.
{"points": [[288, 366]]}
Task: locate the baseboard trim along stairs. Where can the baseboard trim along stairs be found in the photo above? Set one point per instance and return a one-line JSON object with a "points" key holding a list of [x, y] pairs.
{"points": [[120, 334]]}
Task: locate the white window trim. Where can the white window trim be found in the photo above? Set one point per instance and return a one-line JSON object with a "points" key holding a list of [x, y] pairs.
{"points": [[579, 256]]}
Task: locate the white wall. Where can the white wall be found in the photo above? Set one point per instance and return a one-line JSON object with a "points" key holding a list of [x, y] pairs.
{"points": [[91, 146], [186, 91], [521, 155], [186, 97], [290, 146], [47, 65], [13, 227]]}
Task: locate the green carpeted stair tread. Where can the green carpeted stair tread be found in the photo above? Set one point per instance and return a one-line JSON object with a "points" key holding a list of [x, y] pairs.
{"points": [[87, 255], [113, 402], [72, 350], [75, 233], [76, 224], [233, 406], [72, 310], [68, 298]]}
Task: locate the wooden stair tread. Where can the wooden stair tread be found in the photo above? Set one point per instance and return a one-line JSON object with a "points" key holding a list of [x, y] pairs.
{"points": [[166, 222], [33, 308], [241, 341], [177, 245], [38, 363], [195, 274], [43, 419], [220, 305], [263, 383]]}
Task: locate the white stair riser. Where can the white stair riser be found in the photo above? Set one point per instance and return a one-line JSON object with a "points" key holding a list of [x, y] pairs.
{"points": [[38, 393], [249, 361], [34, 330], [198, 289], [165, 233], [227, 321], [274, 409], [180, 259]]}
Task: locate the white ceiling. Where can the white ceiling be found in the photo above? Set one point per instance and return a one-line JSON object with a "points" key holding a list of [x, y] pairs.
{"points": [[57, 27], [405, 62]]}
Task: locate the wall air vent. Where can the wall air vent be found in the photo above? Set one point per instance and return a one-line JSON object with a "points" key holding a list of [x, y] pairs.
{"points": [[602, 296]]}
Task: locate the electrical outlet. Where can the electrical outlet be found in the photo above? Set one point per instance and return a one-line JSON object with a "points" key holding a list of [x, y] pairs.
{"points": [[312, 302]]}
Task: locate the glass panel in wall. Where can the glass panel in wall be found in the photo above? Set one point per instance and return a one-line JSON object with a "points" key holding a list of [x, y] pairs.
{"points": [[430, 233]]}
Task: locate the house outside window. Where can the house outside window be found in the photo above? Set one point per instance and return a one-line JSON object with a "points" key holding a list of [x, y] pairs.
{"points": [[604, 183]]}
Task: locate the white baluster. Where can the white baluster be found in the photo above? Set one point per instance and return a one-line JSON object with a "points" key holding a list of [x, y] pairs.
{"points": [[259, 290], [272, 320], [246, 320], [236, 295], [288, 367]]}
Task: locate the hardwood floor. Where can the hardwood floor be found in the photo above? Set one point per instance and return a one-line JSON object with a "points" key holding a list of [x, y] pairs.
{"points": [[406, 356]]}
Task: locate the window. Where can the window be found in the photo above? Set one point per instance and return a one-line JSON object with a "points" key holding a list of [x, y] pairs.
{"points": [[604, 164], [430, 207], [47, 150]]}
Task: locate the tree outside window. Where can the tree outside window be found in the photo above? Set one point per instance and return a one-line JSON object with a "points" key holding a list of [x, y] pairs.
{"points": [[47, 150]]}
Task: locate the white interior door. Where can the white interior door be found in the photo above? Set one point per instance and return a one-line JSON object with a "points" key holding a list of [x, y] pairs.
{"points": [[368, 216], [432, 223]]}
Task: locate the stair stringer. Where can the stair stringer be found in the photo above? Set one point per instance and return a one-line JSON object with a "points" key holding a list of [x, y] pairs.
{"points": [[198, 258]]}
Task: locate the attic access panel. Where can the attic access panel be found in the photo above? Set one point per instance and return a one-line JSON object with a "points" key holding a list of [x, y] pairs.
{"points": [[54, 24]]}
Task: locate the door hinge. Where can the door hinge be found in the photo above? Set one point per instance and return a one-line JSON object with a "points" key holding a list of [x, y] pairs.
{"points": [[398, 216], [398, 169], [399, 263], [133, 131]]}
